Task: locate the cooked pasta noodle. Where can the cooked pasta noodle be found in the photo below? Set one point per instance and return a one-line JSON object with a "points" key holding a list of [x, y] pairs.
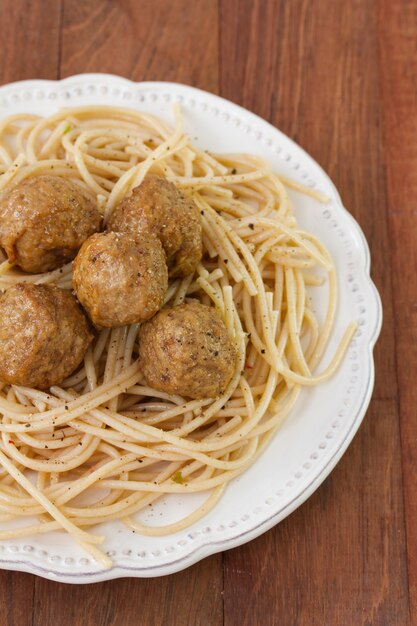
{"points": [[104, 428]]}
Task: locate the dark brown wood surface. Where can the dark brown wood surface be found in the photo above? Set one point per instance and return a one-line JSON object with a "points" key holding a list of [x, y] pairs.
{"points": [[340, 77]]}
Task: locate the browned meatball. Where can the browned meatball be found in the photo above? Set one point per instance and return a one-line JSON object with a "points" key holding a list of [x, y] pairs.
{"points": [[120, 280], [186, 350], [43, 222], [159, 207], [43, 335]]}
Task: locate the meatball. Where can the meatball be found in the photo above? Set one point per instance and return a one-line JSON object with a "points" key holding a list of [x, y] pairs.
{"points": [[43, 222], [186, 350], [120, 280], [44, 335], [159, 207]]}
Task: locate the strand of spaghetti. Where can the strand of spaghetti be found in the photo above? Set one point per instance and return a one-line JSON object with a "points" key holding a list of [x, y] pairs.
{"points": [[292, 299], [97, 554], [76, 407], [205, 446], [129, 501], [328, 322], [79, 160], [197, 183], [313, 328], [294, 235], [182, 290], [210, 278], [54, 139], [301, 300], [87, 112], [5, 156], [90, 370], [65, 492], [12, 171], [191, 405], [9, 277], [5, 267], [23, 171], [213, 293], [135, 429], [333, 365], [164, 453], [130, 342], [190, 487], [28, 506], [115, 352], [157, 531], [228, 311], [16, 117], [80, 485], [123, 426], [73, 457], [281, 414], [226, 251], [53, 443], [257, 279], [28, 531], [305, 190], [170, 144], [47, 505]]}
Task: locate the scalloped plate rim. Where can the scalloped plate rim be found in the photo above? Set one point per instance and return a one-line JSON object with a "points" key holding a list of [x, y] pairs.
{"points": [[214, 546]]}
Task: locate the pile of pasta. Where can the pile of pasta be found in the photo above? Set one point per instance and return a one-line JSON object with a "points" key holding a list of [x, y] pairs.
{"points": [[103, 431]]}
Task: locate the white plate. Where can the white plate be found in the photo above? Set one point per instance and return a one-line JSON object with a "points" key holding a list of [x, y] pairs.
{"points": [[325, 418]]}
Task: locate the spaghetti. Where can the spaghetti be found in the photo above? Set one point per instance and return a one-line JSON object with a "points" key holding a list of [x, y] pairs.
{"points": [[103, 428]]}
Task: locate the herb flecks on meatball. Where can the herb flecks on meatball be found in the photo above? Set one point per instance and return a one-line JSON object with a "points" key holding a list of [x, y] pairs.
{"points": [[44, 335], [187, 350], [159, 207], [120, 280], [43, 222]]}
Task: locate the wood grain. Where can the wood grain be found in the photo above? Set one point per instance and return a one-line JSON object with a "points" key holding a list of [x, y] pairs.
{"points": [[29, 40], [339, 78], [190, 597], [17, 593], [120, 38], [313, 72], [398, 63], [29, 48], [165, 40], [340, 558]]}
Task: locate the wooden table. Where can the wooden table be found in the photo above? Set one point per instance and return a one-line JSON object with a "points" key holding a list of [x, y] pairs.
{"points": [[339, 77]]}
